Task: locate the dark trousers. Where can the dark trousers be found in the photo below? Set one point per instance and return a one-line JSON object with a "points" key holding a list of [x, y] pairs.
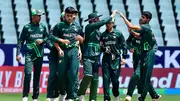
{"points": [[69, 64], [135, 79], [146, 63], [37, 64], [111, 71]]}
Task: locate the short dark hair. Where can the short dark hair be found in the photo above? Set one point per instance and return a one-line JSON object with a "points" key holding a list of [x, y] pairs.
{"points": [[70, 10], [147, 14]]}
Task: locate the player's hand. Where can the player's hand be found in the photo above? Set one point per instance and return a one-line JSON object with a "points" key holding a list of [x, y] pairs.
{"points": [[39, 41], [132, 50], [61, 53], [123, 61], [79, 54], [65, 41], [121, 15], [113, 13], [18, 58]]}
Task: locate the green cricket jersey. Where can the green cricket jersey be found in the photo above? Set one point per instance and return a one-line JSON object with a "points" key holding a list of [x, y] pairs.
{"points": [[30, 33], [113, 41], [147, 38], [67, 31], [91, 45], [133, 42]]}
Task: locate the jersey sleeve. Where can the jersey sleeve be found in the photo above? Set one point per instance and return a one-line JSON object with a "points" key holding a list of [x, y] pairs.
{"points": [[56, 31], [144, 29], [21, 39]]}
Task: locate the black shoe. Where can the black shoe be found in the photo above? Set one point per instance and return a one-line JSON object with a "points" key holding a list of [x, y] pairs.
{"points": [[140, 99]]}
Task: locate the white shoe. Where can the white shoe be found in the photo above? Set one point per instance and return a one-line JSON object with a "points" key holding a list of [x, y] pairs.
{"points": [[62, 97], [25, 99], [116, 98], [128, 98], [56, 99], [34, 100], [81, 98], [138, 96]]}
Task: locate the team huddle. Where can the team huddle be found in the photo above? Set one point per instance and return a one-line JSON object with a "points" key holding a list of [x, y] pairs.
{"points": [[69, 46]]}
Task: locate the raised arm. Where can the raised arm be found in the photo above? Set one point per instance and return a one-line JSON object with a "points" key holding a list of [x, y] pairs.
{"points": [[98, 24], [129, 24]]}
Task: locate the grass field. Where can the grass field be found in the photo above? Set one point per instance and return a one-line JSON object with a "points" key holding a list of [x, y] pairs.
{"points": [[17, 97]]}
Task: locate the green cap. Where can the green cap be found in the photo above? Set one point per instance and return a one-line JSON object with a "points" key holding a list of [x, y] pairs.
{"points": [[36, 12], [62, 14], [92, 16]]}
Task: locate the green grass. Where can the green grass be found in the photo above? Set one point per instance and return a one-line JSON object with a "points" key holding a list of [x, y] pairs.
{"points": [[17, 97]]}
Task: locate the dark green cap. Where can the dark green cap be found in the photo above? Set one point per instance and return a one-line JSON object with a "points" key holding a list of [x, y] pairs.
{"points": [[36, 12], [92, 16]]}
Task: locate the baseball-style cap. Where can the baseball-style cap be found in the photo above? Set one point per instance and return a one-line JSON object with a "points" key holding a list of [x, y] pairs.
{"points": [[70, 9], [36, 12], [92, 16]]}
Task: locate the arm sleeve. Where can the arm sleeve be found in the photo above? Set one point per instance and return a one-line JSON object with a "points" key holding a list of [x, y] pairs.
{"points": [[21, 40], [123, 45], [55, 31]]}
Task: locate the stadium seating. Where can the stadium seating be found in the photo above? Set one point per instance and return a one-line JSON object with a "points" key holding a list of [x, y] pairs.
{"points": [[67, 3], [54, 12], [21, 9], [168, 21], [101, 7], [8, 25], [14, 14]]}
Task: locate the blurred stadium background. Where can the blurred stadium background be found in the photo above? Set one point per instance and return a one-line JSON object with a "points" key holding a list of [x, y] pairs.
{"points": [[165, 23]]}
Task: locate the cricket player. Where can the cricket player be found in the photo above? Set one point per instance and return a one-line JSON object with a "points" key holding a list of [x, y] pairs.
{"points": [[53, 84], [133, 44], [112, 40], [35, 35], [91, 52], [147, 43], [68, 54]]}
